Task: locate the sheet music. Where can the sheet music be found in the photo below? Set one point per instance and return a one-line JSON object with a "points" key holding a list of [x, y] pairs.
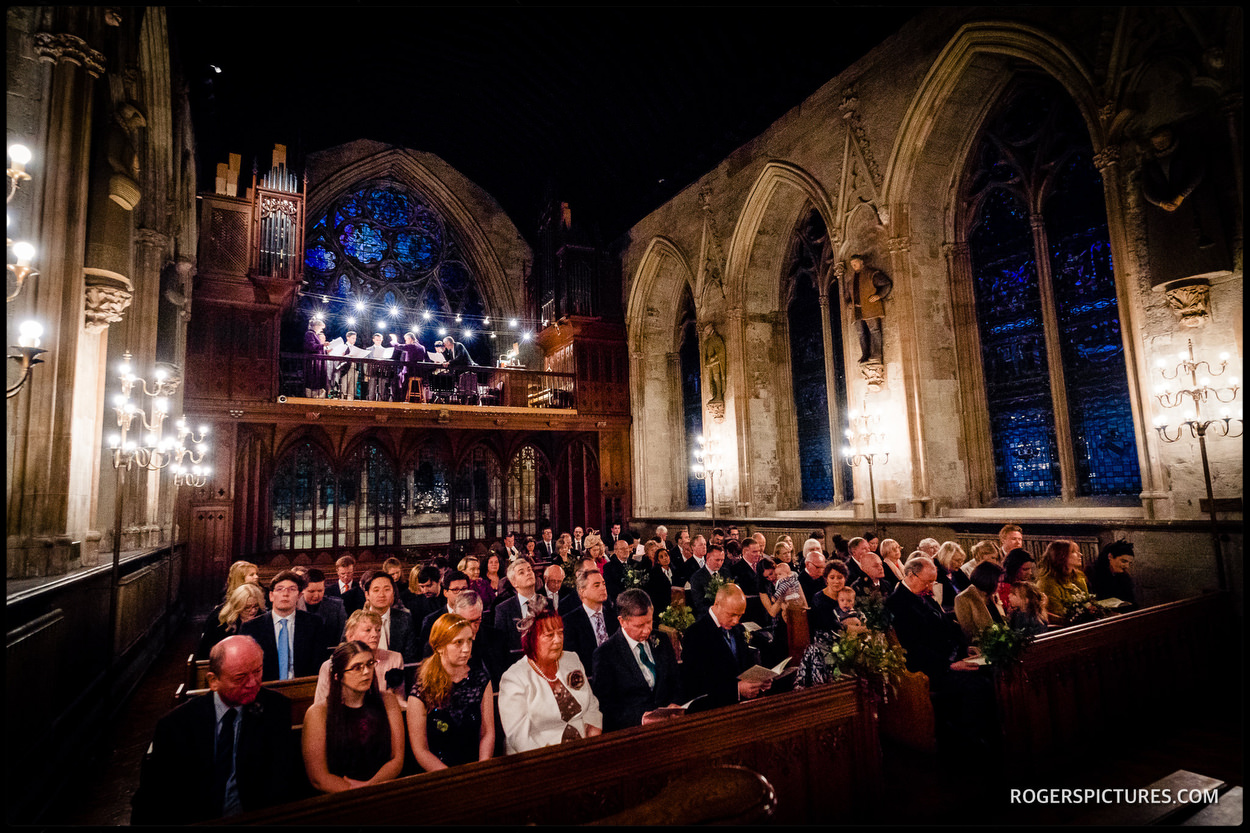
{"points": [[437, 358], [381, 352], [338, 347], [358, 352]]}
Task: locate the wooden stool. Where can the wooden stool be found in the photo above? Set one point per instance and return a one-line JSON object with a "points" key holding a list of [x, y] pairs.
{"points": [[419, 393]]}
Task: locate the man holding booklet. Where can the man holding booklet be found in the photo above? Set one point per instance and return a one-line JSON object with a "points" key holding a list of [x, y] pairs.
{"points": [[715, 652]]}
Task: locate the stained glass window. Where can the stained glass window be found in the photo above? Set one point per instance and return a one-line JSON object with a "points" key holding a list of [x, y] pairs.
{"points": [[691, 403], [1036, 152], [810, 256], [383, 245]]}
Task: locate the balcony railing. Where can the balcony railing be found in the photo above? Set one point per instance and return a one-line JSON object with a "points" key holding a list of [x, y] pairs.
{"points": [[381, 380]]}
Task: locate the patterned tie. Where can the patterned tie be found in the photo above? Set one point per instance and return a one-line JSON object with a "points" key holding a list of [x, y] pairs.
{"points": [[601, 633], [642, 655], [284, 651], [223, 762], [729, 640]]}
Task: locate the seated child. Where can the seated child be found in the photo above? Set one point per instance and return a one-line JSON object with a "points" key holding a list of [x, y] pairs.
{"points": [[1028, 608]]}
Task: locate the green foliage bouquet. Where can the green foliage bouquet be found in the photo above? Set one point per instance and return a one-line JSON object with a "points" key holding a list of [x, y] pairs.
{"points": [[1002, 645]]}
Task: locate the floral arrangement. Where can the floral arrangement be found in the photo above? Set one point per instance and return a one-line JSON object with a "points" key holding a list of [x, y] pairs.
{"points": [[636, 575], [1081, 607], [869, 655], [678, 617], [1002, 645], [714, 584]]}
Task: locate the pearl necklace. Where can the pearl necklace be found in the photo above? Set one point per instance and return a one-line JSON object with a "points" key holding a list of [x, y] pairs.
{"points": [[541, 674]]}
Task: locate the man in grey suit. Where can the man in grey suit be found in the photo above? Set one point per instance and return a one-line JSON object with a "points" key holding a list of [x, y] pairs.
{"points": [[633, 673]]}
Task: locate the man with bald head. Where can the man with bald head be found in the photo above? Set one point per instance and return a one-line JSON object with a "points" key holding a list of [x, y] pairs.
{"points": [[812, 578], [614, 570], [223, 753], [715, 651], [875, 579]]}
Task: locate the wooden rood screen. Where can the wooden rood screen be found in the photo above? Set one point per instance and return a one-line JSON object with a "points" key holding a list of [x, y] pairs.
{"points": [[818, 748]]}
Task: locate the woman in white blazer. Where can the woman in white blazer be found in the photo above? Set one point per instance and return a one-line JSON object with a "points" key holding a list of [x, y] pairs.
{"points": [[545, 698]]}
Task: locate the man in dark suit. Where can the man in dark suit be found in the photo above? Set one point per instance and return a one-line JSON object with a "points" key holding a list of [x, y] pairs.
{"points": [[513, 609], [875, 579], [399, 632], [223, 753], [684, 568], [614, 535], [963, 698], [634, 674], [714, 563], [661, 538], [455, 584], [327, 608], [292, 640], [715, 651], [579, 541], [488, 643], [858, 548], [429, 595], [546, 548], [812, 576], [555, 591], [614, 569], [591, 623], [346, 587]]}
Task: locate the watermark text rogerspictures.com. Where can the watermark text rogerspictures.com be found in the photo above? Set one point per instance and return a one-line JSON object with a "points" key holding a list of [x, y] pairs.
{"points": [[1063, 795]]}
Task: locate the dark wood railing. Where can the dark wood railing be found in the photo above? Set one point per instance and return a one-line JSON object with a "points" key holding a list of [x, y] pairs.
{"points": [[506, 387]]}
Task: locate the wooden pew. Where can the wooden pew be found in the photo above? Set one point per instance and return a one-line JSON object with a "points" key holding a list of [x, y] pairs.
{"points": [[721, 795], [817, 747], [1110, 679], [300, 691]]}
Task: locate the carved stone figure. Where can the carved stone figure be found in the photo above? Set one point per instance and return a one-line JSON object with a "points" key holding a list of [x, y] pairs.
{"points": [[1183, 221], [865, 291], [714, 364]]}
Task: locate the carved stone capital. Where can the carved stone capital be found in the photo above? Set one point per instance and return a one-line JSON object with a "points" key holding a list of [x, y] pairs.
{"points": [[71, 49], [839, 270], [1191, 301], [898, 244], [874, 375], [151, 237], [1107, 157], [735, 314], [953, 251], [106, 296], [716, 410]]}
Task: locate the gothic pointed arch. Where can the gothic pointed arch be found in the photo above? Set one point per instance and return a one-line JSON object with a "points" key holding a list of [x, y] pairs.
{"points": [[651, 319]]}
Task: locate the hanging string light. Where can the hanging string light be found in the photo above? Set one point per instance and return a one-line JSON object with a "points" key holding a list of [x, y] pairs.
{"points": [[470, 325]]}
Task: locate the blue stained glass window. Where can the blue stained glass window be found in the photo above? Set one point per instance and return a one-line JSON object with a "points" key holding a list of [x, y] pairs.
{"points": [[810, 254], [692, 403], [388, 207], [362, 243], [385, 237], [1037, 144], [320, 258], [417, 249], [1104, 442]]}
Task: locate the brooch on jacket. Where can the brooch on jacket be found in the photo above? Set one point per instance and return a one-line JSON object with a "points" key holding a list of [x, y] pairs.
{"points": [[576, 680]]}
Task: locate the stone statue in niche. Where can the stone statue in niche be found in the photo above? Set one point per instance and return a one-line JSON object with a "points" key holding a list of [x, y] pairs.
{"points": [[714, 369], [865, 290], [123, 158], [1183, 222]]}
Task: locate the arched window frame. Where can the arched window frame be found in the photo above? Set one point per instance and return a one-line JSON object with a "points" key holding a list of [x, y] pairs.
{"points": [[967, 329], [296, 523]]}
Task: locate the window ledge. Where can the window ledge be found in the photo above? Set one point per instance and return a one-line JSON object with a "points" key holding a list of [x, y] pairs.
{"points": [[1065, 512]]}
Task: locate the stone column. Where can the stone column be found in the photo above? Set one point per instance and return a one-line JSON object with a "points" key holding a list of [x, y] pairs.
{"points": [[151, 254], [736, 484], [679, 463], [836, 436], [978, 441], [909, 329], [46, 507], [1054, 361], [1129, 301]]}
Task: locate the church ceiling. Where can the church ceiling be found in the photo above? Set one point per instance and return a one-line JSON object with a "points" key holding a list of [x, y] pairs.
{"points": [[618, 109]]}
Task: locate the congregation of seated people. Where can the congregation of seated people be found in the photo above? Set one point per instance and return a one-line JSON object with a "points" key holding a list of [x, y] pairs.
{"points": [[560, 638]]}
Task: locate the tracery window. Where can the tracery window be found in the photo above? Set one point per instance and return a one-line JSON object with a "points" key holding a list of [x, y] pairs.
{"points": [[302, 499], [529, 491], [1044, 286], [477, 497], [383, 245], [425, 499], [825, 479], [691, 401], [367, 499]]}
